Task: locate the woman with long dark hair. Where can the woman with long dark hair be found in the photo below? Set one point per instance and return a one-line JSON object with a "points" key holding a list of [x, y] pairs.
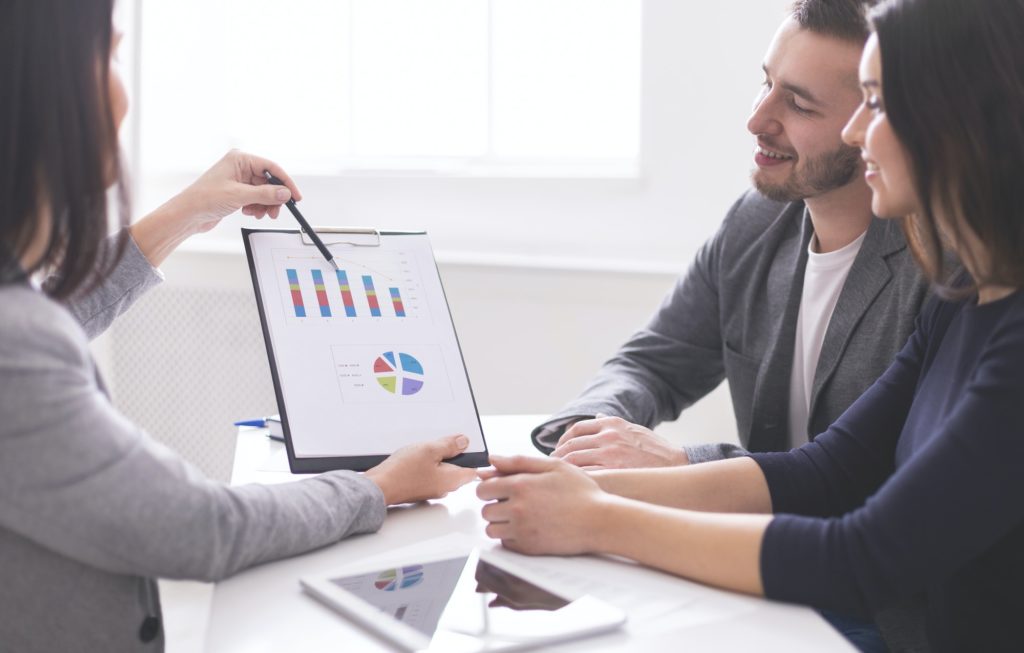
{"points": [[92, 509], [917, 490]]}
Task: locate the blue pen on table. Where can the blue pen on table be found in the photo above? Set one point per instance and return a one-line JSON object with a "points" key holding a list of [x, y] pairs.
{"points": [[259, 422]]}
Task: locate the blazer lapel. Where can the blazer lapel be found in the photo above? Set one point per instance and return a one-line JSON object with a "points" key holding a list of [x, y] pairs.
{"points": [[869, 274], [769, 429]]}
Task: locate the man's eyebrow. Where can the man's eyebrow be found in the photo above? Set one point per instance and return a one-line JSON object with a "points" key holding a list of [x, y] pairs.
{"points": [[797, 90]]}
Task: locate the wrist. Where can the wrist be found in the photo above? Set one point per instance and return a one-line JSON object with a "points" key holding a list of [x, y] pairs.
{"points": [[159, 233], [680, 458], [604, 523], [179, 214], [383, 483]]}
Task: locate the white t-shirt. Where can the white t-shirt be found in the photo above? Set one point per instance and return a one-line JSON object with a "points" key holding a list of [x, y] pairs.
{"points": [[824, 277]]}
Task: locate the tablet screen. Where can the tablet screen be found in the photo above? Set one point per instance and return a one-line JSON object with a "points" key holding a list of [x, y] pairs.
{"points": [[465, 595]]}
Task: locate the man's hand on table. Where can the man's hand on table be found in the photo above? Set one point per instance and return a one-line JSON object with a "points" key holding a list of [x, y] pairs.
{"points": [[613, 443]]}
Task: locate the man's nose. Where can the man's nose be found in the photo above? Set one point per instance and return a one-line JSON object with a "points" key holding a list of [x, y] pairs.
{"points": [[763, 119]]}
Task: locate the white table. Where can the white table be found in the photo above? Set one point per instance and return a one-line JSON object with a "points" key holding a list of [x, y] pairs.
{"points": [[263, 609]]}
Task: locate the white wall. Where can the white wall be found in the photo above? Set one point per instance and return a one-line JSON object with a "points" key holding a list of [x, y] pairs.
{"points": [[701, 70]]}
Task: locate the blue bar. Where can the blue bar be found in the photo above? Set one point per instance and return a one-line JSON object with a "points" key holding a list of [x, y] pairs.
{"points": [[296, 292], [371, 296], [396, 301], [346, 294], [321, 293]]}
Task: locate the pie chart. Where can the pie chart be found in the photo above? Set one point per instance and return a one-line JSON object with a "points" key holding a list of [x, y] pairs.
{"points": [[390, 580], [398, 373]]}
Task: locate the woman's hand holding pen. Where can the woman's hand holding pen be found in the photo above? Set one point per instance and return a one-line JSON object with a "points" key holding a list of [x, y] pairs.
{"points": [[235, 182]]}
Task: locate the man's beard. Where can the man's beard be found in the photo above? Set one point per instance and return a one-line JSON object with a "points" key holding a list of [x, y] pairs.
{"points": [[822, 174]]}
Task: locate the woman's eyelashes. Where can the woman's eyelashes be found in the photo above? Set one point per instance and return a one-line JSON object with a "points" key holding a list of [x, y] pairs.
{"points": [[872, 100]]}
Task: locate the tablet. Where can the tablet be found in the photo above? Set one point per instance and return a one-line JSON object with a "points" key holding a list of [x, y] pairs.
{"points": [[464, 603], [364, 357]]}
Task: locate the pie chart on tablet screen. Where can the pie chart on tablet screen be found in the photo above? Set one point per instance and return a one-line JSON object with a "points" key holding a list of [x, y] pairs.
{"points": [[399, 373]]}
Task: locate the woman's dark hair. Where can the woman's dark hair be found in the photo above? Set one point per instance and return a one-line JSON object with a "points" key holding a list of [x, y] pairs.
{"points": [[953, 87], [58, 141]]}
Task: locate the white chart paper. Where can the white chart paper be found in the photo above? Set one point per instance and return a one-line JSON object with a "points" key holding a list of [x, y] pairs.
{"points": [[366, 356]]}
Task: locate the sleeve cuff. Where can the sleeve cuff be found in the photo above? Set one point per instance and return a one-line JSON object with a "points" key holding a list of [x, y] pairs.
{"points": [[375, 507], [545, 437], [705, 453], [138, 261]]}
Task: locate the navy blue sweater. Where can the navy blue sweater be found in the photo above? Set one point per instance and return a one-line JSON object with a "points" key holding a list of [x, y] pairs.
{"points": [[918, 488]]}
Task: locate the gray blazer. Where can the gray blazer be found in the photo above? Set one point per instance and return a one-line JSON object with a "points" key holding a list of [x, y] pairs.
{"points": [[733, 316], [91, 508]]}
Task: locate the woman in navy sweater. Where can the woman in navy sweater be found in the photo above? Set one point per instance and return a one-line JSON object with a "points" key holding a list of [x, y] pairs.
{"points": [[917, 490]]}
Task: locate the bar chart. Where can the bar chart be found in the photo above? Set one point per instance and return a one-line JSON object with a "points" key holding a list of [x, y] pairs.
{"points": [[387, 290]]}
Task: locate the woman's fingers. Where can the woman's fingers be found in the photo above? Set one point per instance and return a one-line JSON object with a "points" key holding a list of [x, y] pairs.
{"points": [[456, 476], [258, 164], [496, 512], [447, 447], [523, 464], [501, 532], [496, 489], [263, 196]]}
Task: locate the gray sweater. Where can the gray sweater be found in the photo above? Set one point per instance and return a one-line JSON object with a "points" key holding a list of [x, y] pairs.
{"points": [[91, 508]]}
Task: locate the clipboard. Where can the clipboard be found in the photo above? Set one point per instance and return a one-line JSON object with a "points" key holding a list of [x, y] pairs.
{"points": [[364, 359]]}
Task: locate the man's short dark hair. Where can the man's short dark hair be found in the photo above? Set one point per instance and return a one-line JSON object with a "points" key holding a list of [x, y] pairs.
{"points": [[842, 19]]}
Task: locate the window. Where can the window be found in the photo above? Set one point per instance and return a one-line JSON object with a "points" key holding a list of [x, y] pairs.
{"points": [[456, 87]]}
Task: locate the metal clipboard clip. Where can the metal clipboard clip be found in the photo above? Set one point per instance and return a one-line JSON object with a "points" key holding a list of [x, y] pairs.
{"points": [[354, 236]]}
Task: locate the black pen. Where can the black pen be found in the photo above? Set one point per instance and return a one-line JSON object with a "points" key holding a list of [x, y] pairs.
{"points": [[302, 222]]}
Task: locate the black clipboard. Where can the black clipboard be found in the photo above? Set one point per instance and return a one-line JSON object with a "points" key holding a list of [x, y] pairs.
{"points": [[359, 237]]}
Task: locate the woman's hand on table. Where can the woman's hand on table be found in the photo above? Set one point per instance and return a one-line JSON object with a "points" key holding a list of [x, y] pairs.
{"points": [[541, 505], [614, 443], [417, 472]]}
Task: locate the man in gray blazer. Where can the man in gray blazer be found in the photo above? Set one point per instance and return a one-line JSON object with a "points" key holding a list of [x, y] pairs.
{"points": [[800, 300]]}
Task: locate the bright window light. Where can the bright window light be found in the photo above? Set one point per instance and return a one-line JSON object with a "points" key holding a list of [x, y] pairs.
{"points": [[566, 77], [472, 87]]}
